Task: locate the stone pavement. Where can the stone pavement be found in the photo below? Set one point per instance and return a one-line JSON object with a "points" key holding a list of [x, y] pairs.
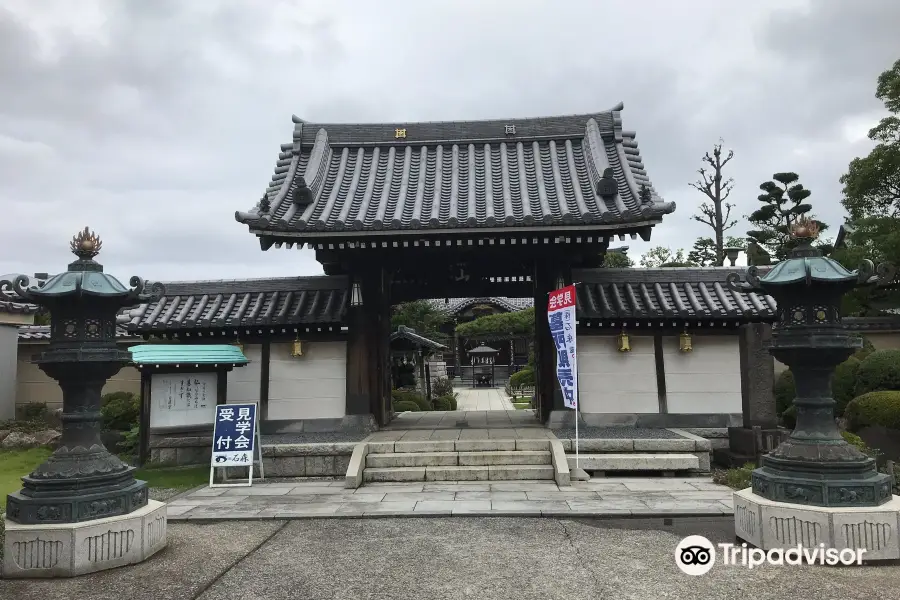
{"points": [[436, 419], [482, 399], [604, 497], [450, 559]]}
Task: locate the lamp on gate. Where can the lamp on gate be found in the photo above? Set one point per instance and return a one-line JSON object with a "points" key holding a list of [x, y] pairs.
{"points": [[624, 342], [355, 295], [684, 341], [297, 348], [237, 342]]}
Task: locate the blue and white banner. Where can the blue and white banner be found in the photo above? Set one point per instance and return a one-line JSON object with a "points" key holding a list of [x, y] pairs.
{"points": [[561, 315]]}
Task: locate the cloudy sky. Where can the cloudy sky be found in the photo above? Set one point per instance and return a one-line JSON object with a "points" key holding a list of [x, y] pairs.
{"points": [[153, 121]]}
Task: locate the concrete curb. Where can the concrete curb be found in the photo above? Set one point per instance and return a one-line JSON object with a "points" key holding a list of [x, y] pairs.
{"points": [[560, 464], [354, 476]]}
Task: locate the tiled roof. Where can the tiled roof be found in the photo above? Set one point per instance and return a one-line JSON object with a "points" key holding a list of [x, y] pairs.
{"points": [[10, 302], [694, 293], [456, 305], [194, 305], [409, 334], [35, 333], [457, 175]]}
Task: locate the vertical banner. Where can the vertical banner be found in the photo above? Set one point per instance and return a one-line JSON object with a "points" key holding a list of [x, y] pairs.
{"points": [[561, 315]]}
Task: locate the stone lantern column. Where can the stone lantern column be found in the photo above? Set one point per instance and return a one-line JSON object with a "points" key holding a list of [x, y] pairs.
{"points": [[815, 487], [49, 528]]}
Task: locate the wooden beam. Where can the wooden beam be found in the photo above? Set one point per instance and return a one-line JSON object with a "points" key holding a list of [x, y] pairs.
{"points": [[265, 358]]}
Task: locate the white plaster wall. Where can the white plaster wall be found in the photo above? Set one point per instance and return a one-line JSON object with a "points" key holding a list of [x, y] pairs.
{"points": [[706, 380], [9, 343], [313, 386], [243, 382], [610, 381]]}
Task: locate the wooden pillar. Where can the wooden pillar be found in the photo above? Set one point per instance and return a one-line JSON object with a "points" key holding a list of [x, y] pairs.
{"points": [[265, 354], [547, 392], [360, 333], [144, 419]]}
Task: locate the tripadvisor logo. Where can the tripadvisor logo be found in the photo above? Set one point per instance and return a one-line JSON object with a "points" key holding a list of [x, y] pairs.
{"points": [[696, 555]]}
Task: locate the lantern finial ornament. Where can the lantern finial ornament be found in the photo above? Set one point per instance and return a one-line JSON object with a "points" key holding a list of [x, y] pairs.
{"points": [[805, 228], [684, 342], [624, 342], [86, 244]]}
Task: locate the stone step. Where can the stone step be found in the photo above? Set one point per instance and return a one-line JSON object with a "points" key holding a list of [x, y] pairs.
{"points": [[486, 445], [635, 462], [412, 459], [505, 457], [452, 459], [459, 473]]}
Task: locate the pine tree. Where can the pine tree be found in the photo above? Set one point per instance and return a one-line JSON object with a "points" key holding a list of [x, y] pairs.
{"points": [[783, 204]]}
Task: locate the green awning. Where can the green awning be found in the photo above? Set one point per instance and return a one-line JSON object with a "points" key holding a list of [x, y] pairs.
{"points": [[188, 355]]}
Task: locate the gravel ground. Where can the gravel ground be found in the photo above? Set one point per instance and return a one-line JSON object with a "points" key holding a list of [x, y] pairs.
{"points": [[313, 438], [617, 433], [458, 558], [163, 494]]}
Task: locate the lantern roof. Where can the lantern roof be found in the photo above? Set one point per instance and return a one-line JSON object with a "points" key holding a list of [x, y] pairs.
{"points": [[806, 264], [84, 277], [188, 354]]}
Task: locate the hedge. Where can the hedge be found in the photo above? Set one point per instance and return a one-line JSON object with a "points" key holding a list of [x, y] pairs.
{"points": [[119, 411], [879, 371], [875, 408], [414, 397], [444, 403], [522, 378], [843, 387], [500, 325], [406, 405]]}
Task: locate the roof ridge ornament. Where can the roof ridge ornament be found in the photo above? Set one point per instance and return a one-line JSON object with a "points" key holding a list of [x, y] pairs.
{"points": [[606, 186], [86, 244], [302, 193]]}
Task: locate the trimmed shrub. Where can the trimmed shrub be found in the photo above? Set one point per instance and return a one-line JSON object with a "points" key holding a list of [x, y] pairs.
{"points": [[406, 406], [442, 386], [120, 411], [875, 408], [35, 411], [409, 396], [737, 478], [784, 392], [843, 384], [447, 402], [522, 378], [867, 349], [879, 371]]}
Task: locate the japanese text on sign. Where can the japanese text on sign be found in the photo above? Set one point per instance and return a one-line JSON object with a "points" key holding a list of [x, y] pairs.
{"points": [[561, 318], [234, 435]]}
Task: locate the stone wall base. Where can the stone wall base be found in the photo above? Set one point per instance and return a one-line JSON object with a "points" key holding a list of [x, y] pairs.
{"points": [[560, 419], [70, 549], [778, 525]]}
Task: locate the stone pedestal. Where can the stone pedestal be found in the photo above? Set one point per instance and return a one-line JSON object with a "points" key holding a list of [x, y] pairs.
{"points": [[778, 525], [70, 549]]}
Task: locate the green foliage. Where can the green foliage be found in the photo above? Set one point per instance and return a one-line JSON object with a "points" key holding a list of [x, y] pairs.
{"points": [[843, 384], [442, 386], [422, 316], [445, 402], [784, 391], [703, 253], [872, 184], [737, 478], [35, 411], [501, 325], [130, 441], [23, 426], [409, 396], [120, 411], [522, 378], [867, 349], [406, 375], [875, 238], [616, 260], [879, 371], [783, 204], [406, 406], [874, 408], [660, 256]]}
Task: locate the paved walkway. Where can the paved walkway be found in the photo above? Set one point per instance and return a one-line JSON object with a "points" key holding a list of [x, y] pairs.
{"points": [[450, 559], [474, 419], [603, 497], [483, 399]]}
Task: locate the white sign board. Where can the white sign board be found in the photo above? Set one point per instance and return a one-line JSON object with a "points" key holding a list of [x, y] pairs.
{"points": [[182, 399]]}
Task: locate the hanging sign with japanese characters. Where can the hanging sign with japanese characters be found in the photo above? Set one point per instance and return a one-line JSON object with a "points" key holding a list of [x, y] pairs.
{"points": [[182, 399], [561, 314], [234, 436]]}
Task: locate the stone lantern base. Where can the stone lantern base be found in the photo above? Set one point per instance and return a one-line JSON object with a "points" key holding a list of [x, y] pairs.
{"points": [[769, 525], [69, 549]]}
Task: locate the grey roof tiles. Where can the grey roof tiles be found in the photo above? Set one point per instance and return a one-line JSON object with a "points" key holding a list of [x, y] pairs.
{"points": [[456, 305], [197, 305], [456, 175], [667, 293]]}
